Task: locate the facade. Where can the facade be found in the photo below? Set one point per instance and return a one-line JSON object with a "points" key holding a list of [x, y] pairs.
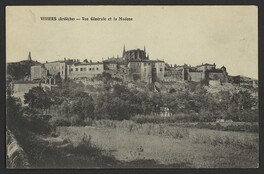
{"points": [[91, 69], [140, 70], [38, 72], [176, 73], [148, 71], [158, 70], [60, 68], [205, 67], [110, 65], [196, 76]]}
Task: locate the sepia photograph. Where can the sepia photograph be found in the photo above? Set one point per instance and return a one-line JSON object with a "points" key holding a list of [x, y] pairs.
{"points": [[99, 87]]}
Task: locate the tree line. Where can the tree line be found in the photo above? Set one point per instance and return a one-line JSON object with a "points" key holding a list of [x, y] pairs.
{"points": [[72, 105]]}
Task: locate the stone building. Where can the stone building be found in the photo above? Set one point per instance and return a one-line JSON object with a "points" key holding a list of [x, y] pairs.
{"points": [[91, 69], [176, 73], [135, 54], [196, 76], [207, 72], [148, 71], [60, 68], [38, 72], [205, 67], [110, 64], [217, 74], [158, 70]]}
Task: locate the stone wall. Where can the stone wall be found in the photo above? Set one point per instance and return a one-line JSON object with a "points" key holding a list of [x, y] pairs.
{"points": [[195, 76], [217, 76], [173, 76], [15, 155]]}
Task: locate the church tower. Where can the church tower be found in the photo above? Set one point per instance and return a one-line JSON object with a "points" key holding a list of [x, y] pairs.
{"points": [[29, 56], [145, 54]]}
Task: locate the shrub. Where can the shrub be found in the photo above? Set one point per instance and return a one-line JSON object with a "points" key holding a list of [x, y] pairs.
{"points": [[57, 121], [38, 124]]}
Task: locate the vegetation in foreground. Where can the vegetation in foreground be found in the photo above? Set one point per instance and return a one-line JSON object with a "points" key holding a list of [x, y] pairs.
{"points": [[35, 126], [190, 147]]}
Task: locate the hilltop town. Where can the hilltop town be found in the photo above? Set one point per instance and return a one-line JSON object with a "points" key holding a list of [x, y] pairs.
{"points": [[133, 65]]}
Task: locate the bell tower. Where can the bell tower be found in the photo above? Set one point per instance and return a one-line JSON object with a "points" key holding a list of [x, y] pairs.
{"points": [[124, 50]]}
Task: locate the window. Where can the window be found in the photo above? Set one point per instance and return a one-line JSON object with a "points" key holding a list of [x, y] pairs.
{"points": [[76, 69], [90, 69], [97, 68], [71, 69], [160, 69], [81, 69]]}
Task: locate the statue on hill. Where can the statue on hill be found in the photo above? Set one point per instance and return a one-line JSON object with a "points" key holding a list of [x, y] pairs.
{"points": [[29, 56]]}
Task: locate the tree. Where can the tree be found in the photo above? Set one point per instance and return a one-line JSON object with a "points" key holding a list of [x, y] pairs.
{"points": [[13, 113], [37, 98], [82, 105]]}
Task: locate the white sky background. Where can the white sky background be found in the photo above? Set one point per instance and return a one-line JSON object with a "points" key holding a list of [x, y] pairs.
{"points": [[225, 35]]}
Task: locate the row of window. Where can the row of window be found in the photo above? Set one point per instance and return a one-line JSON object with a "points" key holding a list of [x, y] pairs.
{"points": [[145, 64], [85, 69]]}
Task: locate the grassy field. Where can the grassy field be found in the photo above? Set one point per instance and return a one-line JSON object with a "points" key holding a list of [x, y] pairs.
{"points": [[165, 145]]}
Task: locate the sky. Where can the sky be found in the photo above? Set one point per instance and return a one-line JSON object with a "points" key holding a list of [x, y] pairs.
{"points": [[224, 35]]}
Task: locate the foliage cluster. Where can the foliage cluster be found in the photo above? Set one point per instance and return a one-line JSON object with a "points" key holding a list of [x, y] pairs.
{"points": [[73, 105]]}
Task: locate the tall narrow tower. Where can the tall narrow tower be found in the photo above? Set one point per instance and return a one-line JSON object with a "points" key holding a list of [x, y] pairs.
{"points": [[124, 50], [29, 56], [145, 54]]}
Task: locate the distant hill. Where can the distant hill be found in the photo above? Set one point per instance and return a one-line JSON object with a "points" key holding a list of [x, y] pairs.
{"points": [[18, 70]]}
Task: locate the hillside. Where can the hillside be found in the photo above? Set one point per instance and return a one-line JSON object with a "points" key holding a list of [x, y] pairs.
{"points": [[19, 70]]}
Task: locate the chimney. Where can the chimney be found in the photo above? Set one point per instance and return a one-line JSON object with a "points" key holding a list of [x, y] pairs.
{"points": [[91, 61], [64, 58], [74, 60]]}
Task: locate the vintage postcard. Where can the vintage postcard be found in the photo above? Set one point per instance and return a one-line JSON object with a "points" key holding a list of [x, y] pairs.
{"points": [[132, 87]]}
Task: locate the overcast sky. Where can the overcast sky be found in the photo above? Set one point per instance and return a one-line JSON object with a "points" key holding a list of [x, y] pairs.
{"points": [[225, 35]]}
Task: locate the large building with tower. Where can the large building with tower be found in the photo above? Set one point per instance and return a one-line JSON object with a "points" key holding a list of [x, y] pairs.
{"points": [[134, 65]]}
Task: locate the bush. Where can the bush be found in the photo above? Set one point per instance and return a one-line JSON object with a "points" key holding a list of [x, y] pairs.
{"points": [[177, 118], [38, 124], [56, 121], [248, 116]]}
